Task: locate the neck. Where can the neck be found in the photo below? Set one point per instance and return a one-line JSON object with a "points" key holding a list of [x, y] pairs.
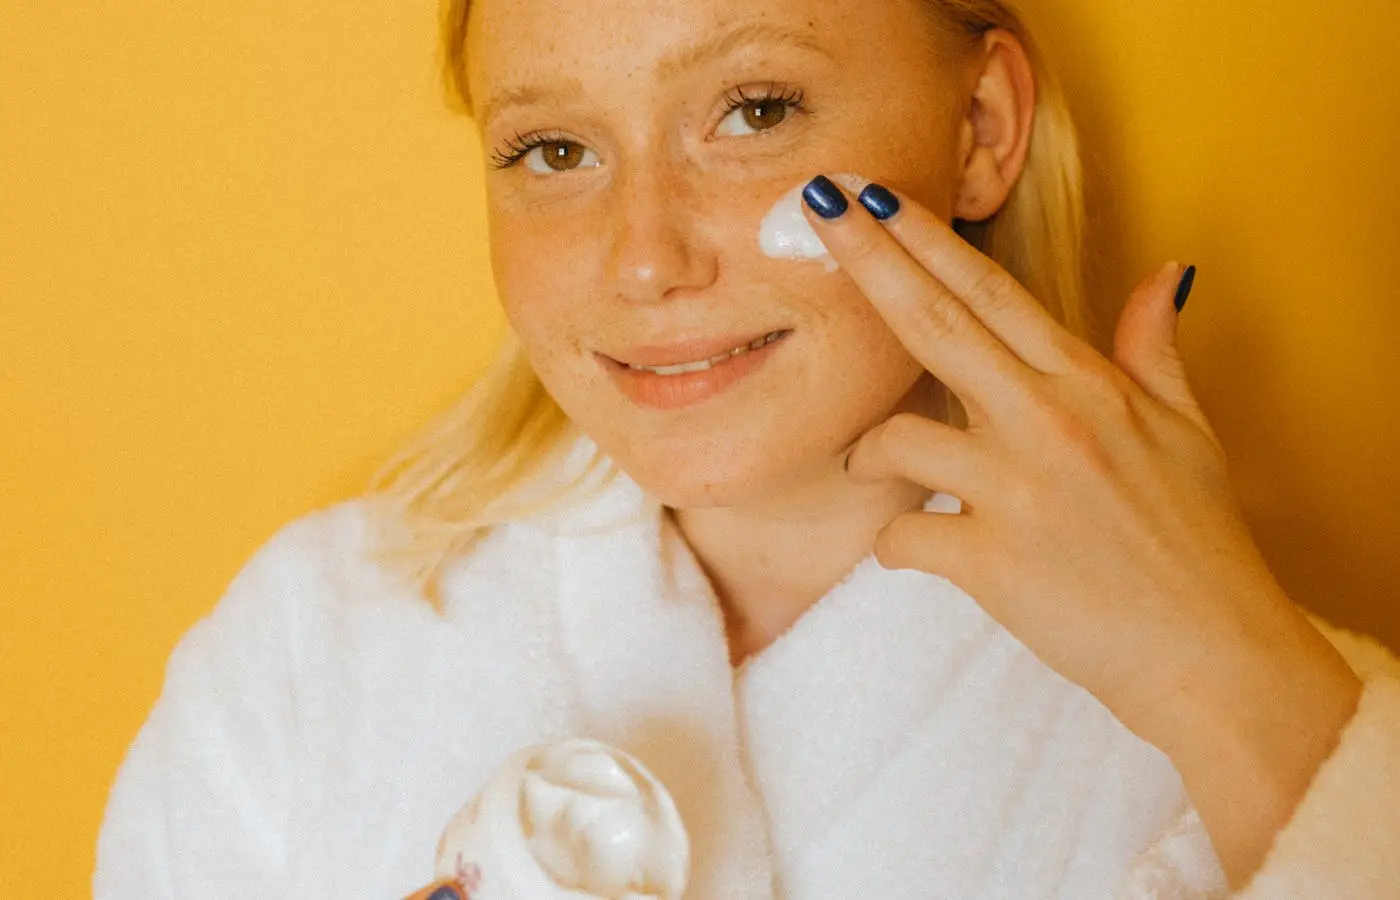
{"points": [[771, 560]]}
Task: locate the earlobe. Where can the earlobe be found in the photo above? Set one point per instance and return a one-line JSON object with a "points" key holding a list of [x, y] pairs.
{"points": [[997, 130]]}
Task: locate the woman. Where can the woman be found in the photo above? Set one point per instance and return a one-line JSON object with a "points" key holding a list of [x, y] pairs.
{"points": [[897, 585]]}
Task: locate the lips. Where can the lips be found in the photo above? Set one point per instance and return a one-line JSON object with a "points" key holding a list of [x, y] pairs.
{"points": [[685, 374], [694, 351]]}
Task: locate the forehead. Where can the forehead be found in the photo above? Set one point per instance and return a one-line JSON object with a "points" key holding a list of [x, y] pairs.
{"points": [[516, 44]]}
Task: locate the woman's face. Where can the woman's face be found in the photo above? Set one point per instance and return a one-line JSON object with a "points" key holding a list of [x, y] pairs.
{"points": [[636, 147]]}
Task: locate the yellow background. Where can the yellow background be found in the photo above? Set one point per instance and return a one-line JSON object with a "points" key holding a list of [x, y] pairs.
{"points": [[242, 256]]}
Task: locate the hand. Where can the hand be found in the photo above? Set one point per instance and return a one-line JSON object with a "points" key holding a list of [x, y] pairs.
{"points": [[1099, 526]]}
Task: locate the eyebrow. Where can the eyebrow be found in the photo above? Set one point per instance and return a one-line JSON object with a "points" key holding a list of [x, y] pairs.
{"points": [[672, 66], [530, 95], [733, 41]]}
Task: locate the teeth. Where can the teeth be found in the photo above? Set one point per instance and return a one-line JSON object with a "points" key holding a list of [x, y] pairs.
{"points": [[681, 369], [710, 363]]}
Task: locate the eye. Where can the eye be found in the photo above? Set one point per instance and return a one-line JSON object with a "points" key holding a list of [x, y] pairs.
{"points": [[545, 154], [762, 112], [559, 156]]}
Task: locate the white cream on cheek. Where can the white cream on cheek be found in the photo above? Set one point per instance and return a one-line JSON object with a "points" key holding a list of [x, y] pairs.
{"points": [[786, 233]]}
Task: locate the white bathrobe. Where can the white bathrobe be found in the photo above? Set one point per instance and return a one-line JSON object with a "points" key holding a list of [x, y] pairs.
{"points": [[318, 730]]}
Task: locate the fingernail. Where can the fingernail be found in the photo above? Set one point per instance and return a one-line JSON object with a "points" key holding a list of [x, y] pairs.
{"points": [[445, 893], [881, 203], [825, 198], [1183, 289]]}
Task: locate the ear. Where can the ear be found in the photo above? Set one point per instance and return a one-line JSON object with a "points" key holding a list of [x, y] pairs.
{"points": [[995, 135]]}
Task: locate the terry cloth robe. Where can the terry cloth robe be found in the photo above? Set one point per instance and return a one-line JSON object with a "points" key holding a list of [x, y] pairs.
{"points": [[320, 727]]}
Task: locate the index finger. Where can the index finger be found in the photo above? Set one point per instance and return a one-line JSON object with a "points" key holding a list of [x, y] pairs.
{"points": [[933, 325]]}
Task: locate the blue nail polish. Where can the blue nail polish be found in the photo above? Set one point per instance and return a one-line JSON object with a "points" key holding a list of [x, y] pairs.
{"points": [[825, 198], [1183, 290], [445, 893], [879, 201]]}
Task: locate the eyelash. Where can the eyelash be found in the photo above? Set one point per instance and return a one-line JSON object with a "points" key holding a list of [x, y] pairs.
{"points": [[788, 96], [517, 146]]}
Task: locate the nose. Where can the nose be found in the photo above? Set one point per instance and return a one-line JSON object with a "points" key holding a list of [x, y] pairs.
{"points": [[659, 248]]}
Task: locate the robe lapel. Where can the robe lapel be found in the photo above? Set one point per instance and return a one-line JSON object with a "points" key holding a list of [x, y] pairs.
{"points": [[834, 701], [643, 636]]}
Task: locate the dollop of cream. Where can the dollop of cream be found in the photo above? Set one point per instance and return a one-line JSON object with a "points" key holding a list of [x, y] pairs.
{"points": [[786, 233], [570, 819]]}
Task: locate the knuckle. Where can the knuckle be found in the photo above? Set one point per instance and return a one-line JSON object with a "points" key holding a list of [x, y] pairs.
{"points": [[1072, 352], [1113, 397], [902, 438], [994, 290], [1071, 435], [1032, 400], [892, 545], [941, 319], [901, 429], [1083, 440]]}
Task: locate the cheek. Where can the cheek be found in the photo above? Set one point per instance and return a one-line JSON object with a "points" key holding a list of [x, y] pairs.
{"points": [[538, 283], [859, 361]]}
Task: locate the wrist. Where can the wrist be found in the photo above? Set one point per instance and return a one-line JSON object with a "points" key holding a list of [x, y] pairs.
{"points": [[1249, 736], [1275, 702]]}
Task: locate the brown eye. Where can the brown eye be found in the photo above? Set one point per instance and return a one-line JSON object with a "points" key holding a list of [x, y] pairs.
{"points": [[549, 157], [761, 115], [747, 115], [561, 156]]}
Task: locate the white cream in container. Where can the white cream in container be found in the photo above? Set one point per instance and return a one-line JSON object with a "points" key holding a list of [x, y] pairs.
{"points": [[572, 820]]}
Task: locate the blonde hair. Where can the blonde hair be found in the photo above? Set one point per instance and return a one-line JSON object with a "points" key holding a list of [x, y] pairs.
{"points": [[471, 469]]}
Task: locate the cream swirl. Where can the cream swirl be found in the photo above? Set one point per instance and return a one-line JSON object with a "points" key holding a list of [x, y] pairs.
{"points": [[576, 818]]}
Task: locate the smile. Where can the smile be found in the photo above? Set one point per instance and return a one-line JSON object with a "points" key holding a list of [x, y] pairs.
{"points": [[703, 364], [657, 381]]}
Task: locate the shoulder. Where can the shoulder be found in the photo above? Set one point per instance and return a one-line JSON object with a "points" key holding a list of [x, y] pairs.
{"points": [[342, 568], [326, 549], [320, 553], [242, 662], [324, 560]]}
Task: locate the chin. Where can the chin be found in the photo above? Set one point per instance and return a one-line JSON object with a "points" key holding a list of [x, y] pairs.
{"points": [[722, 475]]}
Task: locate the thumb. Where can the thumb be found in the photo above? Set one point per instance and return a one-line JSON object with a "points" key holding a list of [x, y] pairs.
{"points": [[1144, 344]]}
